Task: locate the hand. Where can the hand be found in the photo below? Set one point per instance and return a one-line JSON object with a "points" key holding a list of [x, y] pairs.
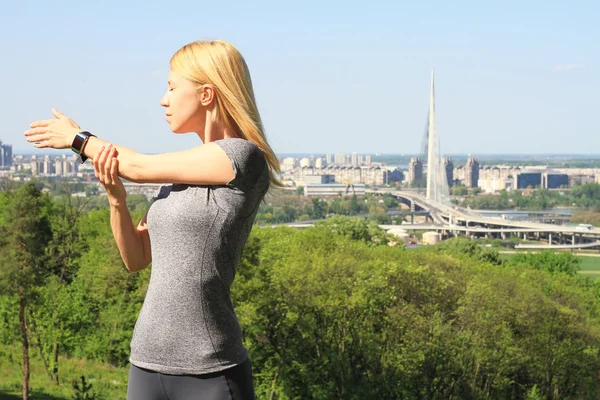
{"points": [[106, 168], [53, 133]]}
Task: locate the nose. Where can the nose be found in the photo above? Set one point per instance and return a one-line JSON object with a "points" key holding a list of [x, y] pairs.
{"points": [[164, 101]]}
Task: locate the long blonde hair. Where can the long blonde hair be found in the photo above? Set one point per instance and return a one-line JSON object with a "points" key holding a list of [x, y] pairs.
{"points": [[220, 64]]}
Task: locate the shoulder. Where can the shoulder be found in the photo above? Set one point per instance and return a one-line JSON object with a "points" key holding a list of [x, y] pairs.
{"points": [[247, 159], [242, 151], [240, 145]]}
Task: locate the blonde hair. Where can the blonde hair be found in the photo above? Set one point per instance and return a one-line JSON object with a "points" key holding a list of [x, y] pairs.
{"points": [[220, 64]]}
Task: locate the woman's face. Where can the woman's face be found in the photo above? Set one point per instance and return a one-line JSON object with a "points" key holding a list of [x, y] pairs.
{"points": [[184, 105]]}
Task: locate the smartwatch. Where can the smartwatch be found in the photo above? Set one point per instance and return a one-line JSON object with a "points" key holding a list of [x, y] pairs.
{"points": [[79, 143]]}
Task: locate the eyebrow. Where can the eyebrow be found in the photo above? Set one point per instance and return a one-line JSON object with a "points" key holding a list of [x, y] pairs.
{"points": [[169, 82]]}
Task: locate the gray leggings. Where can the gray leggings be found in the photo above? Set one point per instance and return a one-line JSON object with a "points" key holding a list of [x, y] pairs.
{"points": [[234, 383]]}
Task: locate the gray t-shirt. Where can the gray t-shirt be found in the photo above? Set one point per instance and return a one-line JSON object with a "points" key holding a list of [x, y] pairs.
{"points": [[187, 324]]}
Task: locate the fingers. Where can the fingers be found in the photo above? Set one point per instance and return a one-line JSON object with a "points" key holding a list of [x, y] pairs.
{"points": [[114, 171], [58, 114], [99, 165], [39, 137], [43, 144], [36, 131], [108, 165], [96, 164], [103, 164], [41, 123], [102, 159]]}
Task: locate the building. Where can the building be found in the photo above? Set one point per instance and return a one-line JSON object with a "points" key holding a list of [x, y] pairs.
{"points": [[334, 189], [288, 164], [449, 166], [373, 175], [307, 162], [320, 163], [581, 179], [341, 159], [415, 171], [554, 181], [528, 179], [471, 172], [6, 158], [319, 179]]}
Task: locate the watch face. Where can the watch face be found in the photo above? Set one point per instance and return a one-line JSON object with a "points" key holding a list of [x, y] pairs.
{"points": [[78, 142]]}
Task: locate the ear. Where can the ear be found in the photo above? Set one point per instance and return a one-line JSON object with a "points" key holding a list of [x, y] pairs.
{"points": [[207, 94]]}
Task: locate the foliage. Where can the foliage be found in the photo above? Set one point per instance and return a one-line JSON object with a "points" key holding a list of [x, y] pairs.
{"points": [[83, 391], [554, 263], [363, 322], [356, 229], [328, 312], [587, 196]]}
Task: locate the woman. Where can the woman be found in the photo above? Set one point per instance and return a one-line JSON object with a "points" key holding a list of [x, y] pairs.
{"points": [[187, 342]]}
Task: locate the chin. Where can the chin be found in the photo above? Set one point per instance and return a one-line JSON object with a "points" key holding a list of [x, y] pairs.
{"points": [[175, 128]]}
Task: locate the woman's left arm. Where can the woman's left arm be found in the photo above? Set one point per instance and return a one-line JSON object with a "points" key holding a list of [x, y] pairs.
{"points": [[203, 165]]}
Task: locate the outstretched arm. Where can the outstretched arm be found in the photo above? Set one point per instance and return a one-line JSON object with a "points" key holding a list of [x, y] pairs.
{"points": [[203, 165]]}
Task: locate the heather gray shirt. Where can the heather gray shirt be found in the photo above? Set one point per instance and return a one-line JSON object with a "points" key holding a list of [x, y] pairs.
{"points": [[197, 232]]}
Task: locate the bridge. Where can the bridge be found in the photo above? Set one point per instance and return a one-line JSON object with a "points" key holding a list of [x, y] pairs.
{"points": [[450, 220], [454, 221]]}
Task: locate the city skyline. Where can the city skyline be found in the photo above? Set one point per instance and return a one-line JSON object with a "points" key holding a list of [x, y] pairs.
{"points": [[507, 82], [32, 151]]}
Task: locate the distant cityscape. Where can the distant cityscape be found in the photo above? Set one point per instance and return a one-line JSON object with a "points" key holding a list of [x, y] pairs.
{"points": [[338, 173]]}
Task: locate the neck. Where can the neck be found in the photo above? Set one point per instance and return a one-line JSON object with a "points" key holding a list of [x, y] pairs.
{"points": [[214, 130]]}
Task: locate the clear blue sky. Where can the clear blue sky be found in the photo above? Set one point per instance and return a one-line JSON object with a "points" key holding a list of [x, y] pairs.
{"points": [[329, 76]]}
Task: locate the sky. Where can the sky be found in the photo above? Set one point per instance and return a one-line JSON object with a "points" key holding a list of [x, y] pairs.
{"points": [[518, 77]]}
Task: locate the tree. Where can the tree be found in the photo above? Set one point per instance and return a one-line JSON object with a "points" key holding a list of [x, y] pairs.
{"points": [[547, 260], [319, 208], [25, 234], [356, 229], [53, 314]]}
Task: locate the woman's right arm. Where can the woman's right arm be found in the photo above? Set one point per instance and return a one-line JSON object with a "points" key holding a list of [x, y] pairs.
{"points": [[133, 243]]}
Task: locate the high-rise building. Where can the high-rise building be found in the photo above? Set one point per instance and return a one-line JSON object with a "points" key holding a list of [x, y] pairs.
{"points": [[340, 159], [354, 159], [58, 167], [307, 162], [471, 172], [5, 155], [368, 159], [415, 170], [48, 167], [449, 166], [329, 158]]}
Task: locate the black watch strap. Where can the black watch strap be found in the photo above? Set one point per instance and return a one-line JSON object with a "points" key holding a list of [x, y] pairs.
{"points": [[79, 143]]}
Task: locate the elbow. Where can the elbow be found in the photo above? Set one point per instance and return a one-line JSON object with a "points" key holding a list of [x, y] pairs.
{"points": [[136, 268], [131, 268]]}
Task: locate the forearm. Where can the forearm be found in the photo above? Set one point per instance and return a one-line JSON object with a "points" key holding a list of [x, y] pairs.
{"points": [[129, 160], [127, 237]]}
